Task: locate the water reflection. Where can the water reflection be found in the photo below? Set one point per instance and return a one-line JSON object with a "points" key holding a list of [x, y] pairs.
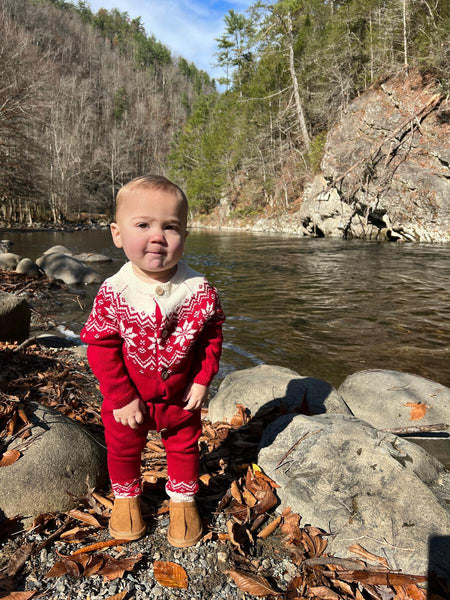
{"points": [[325, 308]]}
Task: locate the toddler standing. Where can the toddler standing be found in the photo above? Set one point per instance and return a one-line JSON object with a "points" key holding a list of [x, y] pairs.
{"points": [[154, 341]]}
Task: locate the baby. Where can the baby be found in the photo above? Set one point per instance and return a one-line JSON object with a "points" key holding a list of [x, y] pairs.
{"points": [[154, 341]]}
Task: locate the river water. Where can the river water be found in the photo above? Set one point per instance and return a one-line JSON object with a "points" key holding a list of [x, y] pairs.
{"points": [[322, 307]]}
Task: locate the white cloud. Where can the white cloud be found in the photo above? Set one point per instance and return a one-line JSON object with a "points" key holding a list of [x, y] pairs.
{"points": [[187, 27]]}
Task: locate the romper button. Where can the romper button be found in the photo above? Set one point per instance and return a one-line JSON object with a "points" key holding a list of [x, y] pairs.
{"points": [[165, 375], [164, 333], [159, 290]]}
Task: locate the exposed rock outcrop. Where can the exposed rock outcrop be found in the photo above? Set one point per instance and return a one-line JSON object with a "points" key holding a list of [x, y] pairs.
{"points": [[15, 316], [386, 167]]}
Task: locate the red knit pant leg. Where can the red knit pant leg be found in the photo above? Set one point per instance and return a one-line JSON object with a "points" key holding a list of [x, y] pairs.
{"points": [[182, 451], [125, 446]]}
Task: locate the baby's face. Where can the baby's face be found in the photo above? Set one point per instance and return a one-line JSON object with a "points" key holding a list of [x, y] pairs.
{"points": [[151, 228]]}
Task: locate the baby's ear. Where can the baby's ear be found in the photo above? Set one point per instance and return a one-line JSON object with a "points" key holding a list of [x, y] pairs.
{"points": [[115, 232]]}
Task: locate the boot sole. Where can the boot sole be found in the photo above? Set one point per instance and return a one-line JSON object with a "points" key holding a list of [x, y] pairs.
{"points": [[184, 543], [126, 535]]}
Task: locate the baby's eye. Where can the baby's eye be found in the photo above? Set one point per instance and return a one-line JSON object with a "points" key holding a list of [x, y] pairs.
{"points": [[142, 225], [172, 227]]}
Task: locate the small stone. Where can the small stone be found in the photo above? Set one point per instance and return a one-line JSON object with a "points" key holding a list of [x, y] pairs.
{"points": [[266, 564], [223, 556], [157, 556], [157, 591]]}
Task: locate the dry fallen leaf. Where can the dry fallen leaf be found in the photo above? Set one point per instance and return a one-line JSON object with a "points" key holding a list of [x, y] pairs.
{"points": [[99, 546], [290, 526], [20, 595], [170, 574], [418, 410], [84, 518], [324, 592], [9, 457], [270, 528], [119, 596], [381, 577], [357, 549], [113, 568], [252, 584], [235, 492]]}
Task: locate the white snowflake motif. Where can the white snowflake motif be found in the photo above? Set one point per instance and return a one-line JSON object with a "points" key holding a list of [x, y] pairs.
{"points": [[151, 343], [184, 333], [128, 335], [208, 310]]}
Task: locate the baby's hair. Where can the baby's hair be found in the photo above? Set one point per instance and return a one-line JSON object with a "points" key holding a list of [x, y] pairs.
{"points": [[151, 182]]}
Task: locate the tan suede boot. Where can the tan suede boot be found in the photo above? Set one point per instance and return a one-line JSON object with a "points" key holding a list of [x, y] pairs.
{"points": [[185, 527], [126, 519]]}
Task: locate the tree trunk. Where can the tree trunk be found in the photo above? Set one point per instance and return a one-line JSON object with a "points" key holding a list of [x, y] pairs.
{"points": [[298, 104]]}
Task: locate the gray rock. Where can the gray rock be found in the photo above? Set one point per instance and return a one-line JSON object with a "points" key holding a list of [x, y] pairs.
{"points": [[27, 267], [5, 245], [59, 250], [361, 485], [15, 316], [54, 468], [9, 261], [91, 257], [67, 268], [263, 387], [384, 398]]}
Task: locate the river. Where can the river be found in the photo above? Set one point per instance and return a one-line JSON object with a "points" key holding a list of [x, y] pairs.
{"points": [[322, 307]]}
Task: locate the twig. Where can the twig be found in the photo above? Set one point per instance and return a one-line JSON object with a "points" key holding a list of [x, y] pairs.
{"points": [[417, 429], [27, 342], [295, 446], [346, 563]]}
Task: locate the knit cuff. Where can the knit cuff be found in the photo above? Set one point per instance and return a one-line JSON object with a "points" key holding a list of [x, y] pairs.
{"points": [[127, 489], [124, 400]]}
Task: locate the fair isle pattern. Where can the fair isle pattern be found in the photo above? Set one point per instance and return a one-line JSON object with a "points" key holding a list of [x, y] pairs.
{"points": [[184, 488], [129, 489], [149, 344]]}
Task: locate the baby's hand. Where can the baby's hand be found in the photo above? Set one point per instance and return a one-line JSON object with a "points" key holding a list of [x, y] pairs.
{"points": [[132, 414], [195, 395]]}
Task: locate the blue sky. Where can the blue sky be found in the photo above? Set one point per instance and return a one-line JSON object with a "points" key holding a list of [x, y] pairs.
{"points": [[188, 28]]}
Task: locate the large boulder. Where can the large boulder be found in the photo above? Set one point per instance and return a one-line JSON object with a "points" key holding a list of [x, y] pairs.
{"points": [[9, 261], [59, 461], [362, 486], [67, 268], [390, 399], [27, 267], [5, 245], [59, 250], [15, 316], [263, 388]]}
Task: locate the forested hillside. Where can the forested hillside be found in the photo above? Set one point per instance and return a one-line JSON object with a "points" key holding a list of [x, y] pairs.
{"points": [[87, 101], [293, 67]]}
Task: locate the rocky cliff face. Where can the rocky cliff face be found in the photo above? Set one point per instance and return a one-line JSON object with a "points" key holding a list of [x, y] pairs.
{"points": [[386, 167]]}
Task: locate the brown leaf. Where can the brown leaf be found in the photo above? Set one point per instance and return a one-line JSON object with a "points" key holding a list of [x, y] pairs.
{"points": [[324, 592], [9, 457], [119, 596], [409, 592], [342, 586], [20, 595], [99, 545], [240, 417], [103, 500], [84, 518], [252, 584], [61, 567], [94, 565], [170, 574], [266, 500], [418, 410], [235, 492], [249, 498], [270, 528], [113, 568], [205, 478], [358, 549], [19, 558], [290, 526], [70, 532], [271, 482]]}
